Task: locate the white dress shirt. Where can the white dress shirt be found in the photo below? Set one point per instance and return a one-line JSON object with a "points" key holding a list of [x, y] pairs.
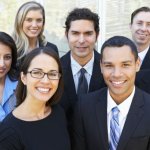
{"points": [[123, 107], [143, 54], [75, 66]]}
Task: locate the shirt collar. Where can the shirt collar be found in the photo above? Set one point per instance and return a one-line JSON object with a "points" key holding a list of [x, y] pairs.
{"points": [[143, 54], [9, 88], [76, 66], [123, 107]]}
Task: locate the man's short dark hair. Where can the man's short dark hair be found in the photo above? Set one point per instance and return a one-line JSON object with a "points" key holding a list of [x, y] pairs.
{"points": [[85, 14], [141, 9], [119, 41]]}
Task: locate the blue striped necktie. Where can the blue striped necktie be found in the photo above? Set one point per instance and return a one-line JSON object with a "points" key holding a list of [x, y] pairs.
{"points": [[114, 129]]}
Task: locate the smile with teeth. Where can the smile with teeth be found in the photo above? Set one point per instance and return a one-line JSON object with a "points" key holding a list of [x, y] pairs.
{"points": [[81, 47], [43, 90], [33, 30], [117, 83]]}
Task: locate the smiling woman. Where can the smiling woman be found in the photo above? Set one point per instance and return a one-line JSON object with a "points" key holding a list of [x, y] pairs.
{"points": [[28, 29], [8, 76], [38, 115]]}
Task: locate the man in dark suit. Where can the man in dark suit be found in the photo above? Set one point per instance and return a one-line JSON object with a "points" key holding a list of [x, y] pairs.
{"points": [[82, 30], [140, 29], [95, 124]]}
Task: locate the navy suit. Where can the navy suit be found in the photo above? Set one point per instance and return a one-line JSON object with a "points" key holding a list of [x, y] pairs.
{"points": [[146, 61], [69, 97], [51, 45], [143, 76], [89, 129]]}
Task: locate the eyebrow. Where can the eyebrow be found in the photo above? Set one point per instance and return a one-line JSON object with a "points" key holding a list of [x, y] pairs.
{"points": [[84, 32], [108, 62], [42, 70]]}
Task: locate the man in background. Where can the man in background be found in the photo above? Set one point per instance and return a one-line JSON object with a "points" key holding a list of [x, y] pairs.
{"points": [[81, 68], [140, 29]]}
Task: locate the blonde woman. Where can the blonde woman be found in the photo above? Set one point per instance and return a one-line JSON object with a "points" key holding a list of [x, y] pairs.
{"points": [[28, 29]]}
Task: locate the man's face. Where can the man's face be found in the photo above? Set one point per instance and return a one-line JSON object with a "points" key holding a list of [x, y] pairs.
{"points": [[119, 68], [140, 29], [81, 38]]}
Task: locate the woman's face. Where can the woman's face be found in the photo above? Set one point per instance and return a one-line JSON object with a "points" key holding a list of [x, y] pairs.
{"points": [[33, 24], [42, 88], [5, 60]]}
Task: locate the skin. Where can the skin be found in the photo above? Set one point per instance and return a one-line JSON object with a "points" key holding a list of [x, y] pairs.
{"points": [[140, 29], [39, 91], [33, 25], [119, 68], [5, 61], [81, 38]]}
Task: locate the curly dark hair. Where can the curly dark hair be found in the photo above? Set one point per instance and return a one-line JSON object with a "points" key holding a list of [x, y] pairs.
{"points": [[85, 14]]}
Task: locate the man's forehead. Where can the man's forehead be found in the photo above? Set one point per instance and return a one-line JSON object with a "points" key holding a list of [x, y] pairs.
{"points": [[142, 16]]}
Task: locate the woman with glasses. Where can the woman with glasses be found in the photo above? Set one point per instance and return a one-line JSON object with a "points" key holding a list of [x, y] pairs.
{"points": [[38, 122], [8, 77], [29, 28]]}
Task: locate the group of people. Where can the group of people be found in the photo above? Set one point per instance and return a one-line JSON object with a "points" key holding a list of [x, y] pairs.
{"points": [[83, 100]]}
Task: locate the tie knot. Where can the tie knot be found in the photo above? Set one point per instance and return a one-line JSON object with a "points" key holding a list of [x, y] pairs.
{"points": [[115, 110], [82, 70]]}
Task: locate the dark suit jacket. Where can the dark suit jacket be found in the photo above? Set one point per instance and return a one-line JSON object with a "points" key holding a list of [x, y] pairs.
{"points": [[146, 61], [143, 76], [69, 97], [89, 129], [143, 80], [51, 45]]}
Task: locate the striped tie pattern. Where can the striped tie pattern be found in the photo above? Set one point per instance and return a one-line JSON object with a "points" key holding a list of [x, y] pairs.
{"points": [[114, 129]]}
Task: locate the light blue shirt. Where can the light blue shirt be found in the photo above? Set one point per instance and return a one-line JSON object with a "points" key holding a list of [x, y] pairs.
{"points": [[7, 104], [75, 66]]}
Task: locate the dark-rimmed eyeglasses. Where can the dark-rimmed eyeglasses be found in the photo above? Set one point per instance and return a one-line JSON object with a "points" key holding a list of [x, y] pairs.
{"points": [[39, 74]]}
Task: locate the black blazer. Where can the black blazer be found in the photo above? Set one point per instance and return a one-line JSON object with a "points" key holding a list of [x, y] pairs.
{"points": [[51, 45], [69, 97], [143, 76], [146, 61], [89, 128]]}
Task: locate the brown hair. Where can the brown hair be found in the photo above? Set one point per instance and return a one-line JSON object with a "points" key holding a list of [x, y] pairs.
{"points": [[21, 91]]}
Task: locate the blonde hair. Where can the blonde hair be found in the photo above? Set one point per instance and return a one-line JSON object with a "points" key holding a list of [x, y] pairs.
{"points": [[18, 35]]}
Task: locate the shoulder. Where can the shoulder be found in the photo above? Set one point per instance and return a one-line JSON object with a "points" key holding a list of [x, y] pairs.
{"points": [[143, 96], [57, 109], [66, 56], [53, 46], [9, 139], [93, 97], [58, 113], [65, 59], [8, 133], [96, 54]]}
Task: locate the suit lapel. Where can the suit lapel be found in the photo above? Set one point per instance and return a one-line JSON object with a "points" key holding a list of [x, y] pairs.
{"points": [[133, 118], [97, 81], [146, 61], [101, 115], [68, 78]]}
